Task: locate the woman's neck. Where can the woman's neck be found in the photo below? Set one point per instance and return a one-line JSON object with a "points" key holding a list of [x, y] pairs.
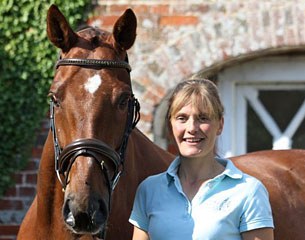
{"points": [[197, 169], [194, 172]]}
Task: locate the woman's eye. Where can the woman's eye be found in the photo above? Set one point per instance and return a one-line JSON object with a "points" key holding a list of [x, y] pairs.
{"points": [[181, 118], [203, 118]]}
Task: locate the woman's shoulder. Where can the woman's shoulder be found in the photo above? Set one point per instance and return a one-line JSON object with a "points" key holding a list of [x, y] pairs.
{"points": [[252, 186], [253, 182], [238, 176], [154, 180]]}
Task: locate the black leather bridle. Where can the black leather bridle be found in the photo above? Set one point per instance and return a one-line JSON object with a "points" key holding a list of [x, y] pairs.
{"points": [[64, 158]]}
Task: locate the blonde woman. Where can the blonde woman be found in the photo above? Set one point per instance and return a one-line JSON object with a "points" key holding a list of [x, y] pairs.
{"points": [[200, 196]]}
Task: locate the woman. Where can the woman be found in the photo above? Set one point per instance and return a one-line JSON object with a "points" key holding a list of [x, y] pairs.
{"points": [[200, 196]]}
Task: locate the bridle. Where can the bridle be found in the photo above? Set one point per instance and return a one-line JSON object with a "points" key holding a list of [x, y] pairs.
{"points": [[97, 149]]}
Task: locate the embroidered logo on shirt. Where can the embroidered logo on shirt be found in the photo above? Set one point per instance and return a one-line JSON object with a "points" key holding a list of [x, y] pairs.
{"points": [[224, 205], [220, 204]]}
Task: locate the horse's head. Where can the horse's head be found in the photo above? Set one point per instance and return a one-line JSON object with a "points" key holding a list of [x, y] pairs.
{"points": [[92, 113]]}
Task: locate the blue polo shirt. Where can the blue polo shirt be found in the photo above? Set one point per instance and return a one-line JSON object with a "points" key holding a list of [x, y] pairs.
{"points": [[224, 207]]}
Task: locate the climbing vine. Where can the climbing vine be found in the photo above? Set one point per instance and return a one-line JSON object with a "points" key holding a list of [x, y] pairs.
{"points": [[26, 71]]}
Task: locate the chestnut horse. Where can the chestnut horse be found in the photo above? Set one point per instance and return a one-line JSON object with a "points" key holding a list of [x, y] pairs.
{"points": [[92, 114], [283, 174]]}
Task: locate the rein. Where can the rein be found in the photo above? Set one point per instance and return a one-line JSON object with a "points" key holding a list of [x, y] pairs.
{"points": [[64, 158]]}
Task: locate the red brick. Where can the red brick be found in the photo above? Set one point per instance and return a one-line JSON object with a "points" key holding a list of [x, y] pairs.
{"points": [[105, 20], [145, 81], [160, 9], [11, 204], [280, 40], [45, 125], [202, 8], [290, 37], [146, 117], [140, 9], [11, 192], [178, 20], [36, 152], [8, 230], [31, 178], [40, 141], [18, 178], [100, 10], [159, 90], [149, 96], [115, 8], [32, 165], [27, 191]]}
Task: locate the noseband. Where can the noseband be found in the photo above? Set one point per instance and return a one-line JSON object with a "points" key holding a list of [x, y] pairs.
{"points": [[98, 150]]}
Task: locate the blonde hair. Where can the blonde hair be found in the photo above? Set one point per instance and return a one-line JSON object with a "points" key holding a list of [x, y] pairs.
{"points": [[201, 93]]}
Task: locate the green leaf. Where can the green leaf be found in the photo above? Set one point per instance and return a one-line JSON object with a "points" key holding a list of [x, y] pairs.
{"points": [[26, 70]]}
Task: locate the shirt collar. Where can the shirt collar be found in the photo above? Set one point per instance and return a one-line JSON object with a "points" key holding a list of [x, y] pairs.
{"points": [[172, 170], [230, 169]]}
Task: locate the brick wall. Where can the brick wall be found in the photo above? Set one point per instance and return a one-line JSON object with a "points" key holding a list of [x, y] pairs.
{"points": [[180, 38], [18, 199], [176, 39]]}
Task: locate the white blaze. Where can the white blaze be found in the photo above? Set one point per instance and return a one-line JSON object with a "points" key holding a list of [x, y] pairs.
{"points": [[93, 83]]}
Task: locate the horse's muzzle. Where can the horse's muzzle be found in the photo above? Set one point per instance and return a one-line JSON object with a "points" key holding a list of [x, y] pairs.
{"points": [[87, 218]]}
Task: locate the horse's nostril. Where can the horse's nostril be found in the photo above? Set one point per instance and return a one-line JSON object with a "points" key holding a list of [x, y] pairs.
{"points": [[70, 220], [68, 215], [66, 209], [90, 218], [83, 221], [102, 207]]}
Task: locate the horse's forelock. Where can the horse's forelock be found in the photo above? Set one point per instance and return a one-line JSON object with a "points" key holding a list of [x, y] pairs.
{"points": [[96, 37], [92, 32]]}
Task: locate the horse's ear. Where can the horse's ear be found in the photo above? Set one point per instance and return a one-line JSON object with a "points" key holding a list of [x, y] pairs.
{"points": [[59, 31], [124, 30]]}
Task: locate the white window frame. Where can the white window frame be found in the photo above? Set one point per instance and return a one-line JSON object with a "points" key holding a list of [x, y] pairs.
{"points": [[243, 81]]}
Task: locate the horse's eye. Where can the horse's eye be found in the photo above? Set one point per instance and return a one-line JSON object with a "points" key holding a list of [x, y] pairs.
{"points": [[123, 101]]}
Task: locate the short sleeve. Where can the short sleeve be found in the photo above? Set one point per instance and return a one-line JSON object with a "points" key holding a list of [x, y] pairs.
{"points": [[138, 215], [257, 210]]}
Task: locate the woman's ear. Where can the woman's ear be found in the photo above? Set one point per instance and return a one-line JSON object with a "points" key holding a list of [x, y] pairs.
{"points": [[220, 128]]}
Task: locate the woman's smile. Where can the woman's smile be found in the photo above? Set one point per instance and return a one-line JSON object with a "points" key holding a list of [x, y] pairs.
{"points": [[193, 140], [194, 132]]}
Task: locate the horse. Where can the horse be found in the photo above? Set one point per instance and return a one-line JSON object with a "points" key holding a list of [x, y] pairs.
{"points": [[283, 174], [93, 142]]}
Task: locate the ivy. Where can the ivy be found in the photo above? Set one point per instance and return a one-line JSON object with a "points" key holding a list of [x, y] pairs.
{"points": [[26, 71]]}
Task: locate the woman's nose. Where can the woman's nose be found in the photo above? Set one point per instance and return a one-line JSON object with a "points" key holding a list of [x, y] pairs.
{"points": [[192, 125]]}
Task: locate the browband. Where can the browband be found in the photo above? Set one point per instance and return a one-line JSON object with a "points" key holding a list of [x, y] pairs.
{"points": [[97, 63]]}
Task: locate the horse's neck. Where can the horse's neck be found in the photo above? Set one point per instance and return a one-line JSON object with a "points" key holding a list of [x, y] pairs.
{"points": [[143, 158], [49, 193], [146, 156]]}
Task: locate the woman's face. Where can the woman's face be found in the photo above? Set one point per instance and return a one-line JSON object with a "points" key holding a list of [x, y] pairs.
{"points": [[194, 132]]}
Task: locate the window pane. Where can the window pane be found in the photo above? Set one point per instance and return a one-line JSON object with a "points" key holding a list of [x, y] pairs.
{"points": [[282, 105], [298, 140], [258, 137]]}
